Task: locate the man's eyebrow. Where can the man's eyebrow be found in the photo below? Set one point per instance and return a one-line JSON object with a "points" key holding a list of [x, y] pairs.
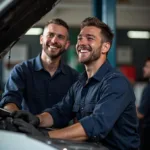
{"points": [[87, 35], [49, 33], [90, 35], [56, 34]]}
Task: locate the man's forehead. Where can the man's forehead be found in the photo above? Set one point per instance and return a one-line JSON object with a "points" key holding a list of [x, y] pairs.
{"points": [[89, 30], [55, 28]]}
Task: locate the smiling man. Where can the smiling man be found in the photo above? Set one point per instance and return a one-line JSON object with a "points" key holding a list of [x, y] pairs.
{"points": [[102, 100], [41, 82]]}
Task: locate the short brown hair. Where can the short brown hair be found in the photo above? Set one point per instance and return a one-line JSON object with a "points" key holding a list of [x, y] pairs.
{"points": [[105, 30], [58, 21]]}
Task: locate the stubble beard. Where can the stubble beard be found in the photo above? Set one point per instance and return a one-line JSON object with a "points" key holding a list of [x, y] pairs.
{"points": [[51, 55], [93, 57]]}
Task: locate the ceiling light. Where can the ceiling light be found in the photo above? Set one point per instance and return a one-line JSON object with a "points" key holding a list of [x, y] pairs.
{"points": [[138, 34], [34, 31]]}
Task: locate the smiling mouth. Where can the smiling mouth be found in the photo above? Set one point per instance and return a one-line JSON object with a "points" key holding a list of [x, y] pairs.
{"points": [[83, 51], [53, 47]]}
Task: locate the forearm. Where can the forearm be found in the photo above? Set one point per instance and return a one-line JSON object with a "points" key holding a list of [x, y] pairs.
{"points": [[46, 119], [73, 132], [11, 107], [79, 139]]}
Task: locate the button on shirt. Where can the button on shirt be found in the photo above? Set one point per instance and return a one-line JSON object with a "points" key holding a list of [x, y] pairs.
{"points": [[31, 87], [105, 107]]}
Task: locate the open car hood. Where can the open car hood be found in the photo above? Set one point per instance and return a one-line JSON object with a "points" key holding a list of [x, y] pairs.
{"points": [[13, 140], [17, 16]]}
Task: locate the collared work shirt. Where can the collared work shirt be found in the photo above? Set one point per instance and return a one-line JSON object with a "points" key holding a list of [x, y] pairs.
{"points": [[105, 107], [31, 87]]}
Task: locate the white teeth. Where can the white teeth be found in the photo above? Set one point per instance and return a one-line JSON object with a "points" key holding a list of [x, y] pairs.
{"points": [[83, 51], [53, 47]]}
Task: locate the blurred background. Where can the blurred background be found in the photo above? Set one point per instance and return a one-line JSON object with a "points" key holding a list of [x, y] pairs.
{"points": [[128, 19]]}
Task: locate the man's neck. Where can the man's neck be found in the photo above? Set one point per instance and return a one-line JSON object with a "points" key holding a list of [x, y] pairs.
{"points": [[92, 68], [50, 65]]}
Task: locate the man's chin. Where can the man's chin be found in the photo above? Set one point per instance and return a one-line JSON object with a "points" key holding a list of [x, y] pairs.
{"points": [[54, 56], [84, 61]]}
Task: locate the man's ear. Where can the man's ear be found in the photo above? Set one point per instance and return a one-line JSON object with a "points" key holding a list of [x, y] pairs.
{"points": [[105, 47], [67, 45], [41, 39]]}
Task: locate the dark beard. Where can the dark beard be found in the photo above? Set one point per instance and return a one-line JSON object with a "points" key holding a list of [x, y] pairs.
{"points": [[94, 57], [57, 55], [53, 56]]}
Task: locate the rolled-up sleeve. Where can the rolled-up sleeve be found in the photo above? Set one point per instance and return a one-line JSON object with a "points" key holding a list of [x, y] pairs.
{"points": [[62, 111], [115, 97], [13, 92]]}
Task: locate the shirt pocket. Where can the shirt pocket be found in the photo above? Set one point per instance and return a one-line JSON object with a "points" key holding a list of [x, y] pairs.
{"points": [[88, 109]]}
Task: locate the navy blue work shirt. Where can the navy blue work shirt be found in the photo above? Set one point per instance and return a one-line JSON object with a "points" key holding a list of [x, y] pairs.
{"points": [[144, 107], [105, 107], [31, 87]]}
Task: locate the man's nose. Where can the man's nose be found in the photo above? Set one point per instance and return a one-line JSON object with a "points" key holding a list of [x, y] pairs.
{"points": [[54, 39], [82, 42]]}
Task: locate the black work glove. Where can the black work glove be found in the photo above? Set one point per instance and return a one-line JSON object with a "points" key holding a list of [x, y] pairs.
{"points": [[7, 124], [27, 128], [26, 116]]}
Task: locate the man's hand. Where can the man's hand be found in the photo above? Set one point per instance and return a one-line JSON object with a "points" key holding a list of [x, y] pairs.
{"points": [[11, 107], [26, 116], [27, 128]]}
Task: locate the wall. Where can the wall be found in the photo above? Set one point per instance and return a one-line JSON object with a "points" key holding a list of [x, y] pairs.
{"points": [[140, 47]]}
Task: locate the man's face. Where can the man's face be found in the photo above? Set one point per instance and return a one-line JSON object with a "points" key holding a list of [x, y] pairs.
{"points": [[89, 45], [146, 70], [54, 40]]}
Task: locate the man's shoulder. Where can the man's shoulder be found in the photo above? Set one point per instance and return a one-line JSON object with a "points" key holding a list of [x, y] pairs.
{"points": [[114, 73], [116, 77], [24, 64], [27, 63]]}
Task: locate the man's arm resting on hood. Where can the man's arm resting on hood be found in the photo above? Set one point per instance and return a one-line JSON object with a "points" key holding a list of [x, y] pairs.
{"points": [[73, 132]]}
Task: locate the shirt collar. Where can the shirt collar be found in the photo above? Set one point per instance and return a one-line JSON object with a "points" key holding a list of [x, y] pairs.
{"points": [[62, 67], [102, 71], [99, 74], [38, 63], [39, 66]]}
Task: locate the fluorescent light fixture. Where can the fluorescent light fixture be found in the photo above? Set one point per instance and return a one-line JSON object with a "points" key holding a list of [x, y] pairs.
{"points": [[139, 34], [34, 31]]}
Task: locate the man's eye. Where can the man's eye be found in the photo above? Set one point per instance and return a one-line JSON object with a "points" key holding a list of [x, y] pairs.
{"points": [[61, 37], [90, 38], [79, 38], [50, 35]]}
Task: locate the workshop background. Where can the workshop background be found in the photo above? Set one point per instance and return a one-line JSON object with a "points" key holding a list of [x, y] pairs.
{"points": [[129, 20]]}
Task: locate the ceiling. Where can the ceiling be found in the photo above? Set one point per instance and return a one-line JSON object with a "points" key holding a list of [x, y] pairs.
{"points": [[129, 13]]}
